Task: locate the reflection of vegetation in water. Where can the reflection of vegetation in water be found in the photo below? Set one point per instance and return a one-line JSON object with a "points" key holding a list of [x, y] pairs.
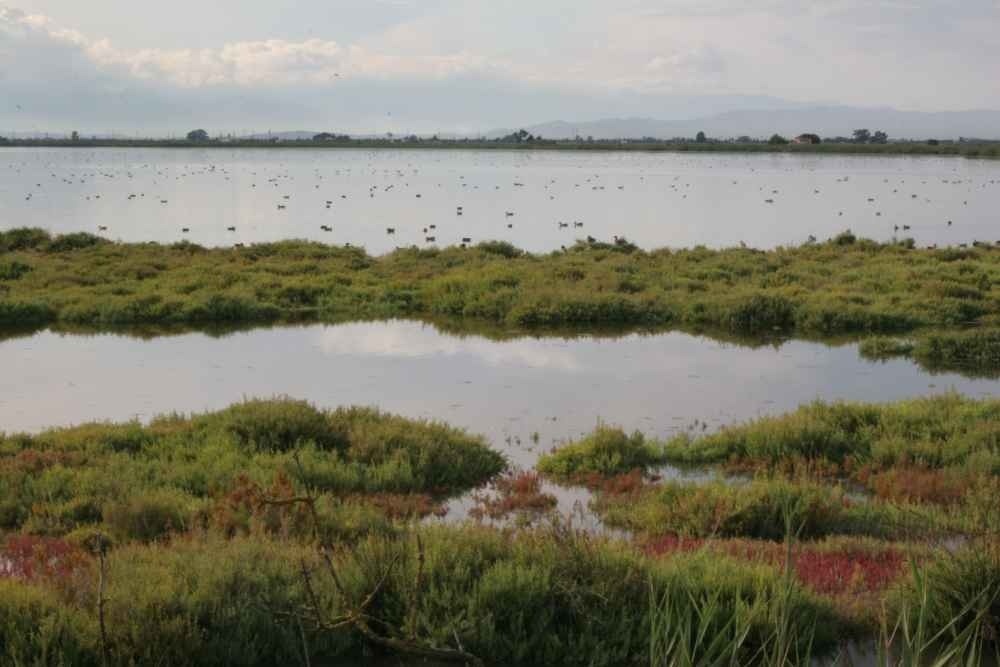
{"points": [[843, 286], [969, 355], [974, 352]]}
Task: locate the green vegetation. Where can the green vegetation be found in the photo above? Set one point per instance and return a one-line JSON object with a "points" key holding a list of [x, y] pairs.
{"points": [[520, 141], [842, 286], [977, 351], [543, 598], [179, 473], [756, 510], [974, 352], [937, 432], [272, 532], [607, 451]]}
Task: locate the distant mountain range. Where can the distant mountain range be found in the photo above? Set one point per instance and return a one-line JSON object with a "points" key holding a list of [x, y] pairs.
{"points": [[824, 121]]}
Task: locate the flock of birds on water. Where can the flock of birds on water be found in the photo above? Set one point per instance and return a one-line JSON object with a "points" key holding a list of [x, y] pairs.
{"points": [[99, 178]]}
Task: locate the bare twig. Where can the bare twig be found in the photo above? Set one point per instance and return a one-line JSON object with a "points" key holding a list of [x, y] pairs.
{"points": [[102, 574], [356, 616]]}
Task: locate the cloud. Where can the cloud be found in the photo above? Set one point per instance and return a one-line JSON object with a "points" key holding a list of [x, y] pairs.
{"points": [[412, 340], [465, 65], [272, 62]]}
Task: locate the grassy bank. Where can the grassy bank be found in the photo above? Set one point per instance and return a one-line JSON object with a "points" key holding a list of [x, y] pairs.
{"points": [[272, 532], [140, 482], [845, 285]]}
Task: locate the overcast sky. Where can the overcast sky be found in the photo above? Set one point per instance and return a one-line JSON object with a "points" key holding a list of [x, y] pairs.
{"points": [[470, 65]]}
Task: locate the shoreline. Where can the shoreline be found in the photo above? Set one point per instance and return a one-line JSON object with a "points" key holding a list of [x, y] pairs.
{"points": [[970, 149]]}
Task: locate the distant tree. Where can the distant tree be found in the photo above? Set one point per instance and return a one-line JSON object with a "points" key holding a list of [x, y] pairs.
{"points": [[327, 136], [879, 137], [4, 140], [744, 139], [933, 142], [700, 138], [862, 136], [197, 135], [777, 140], [809, 138], [75, 136]]}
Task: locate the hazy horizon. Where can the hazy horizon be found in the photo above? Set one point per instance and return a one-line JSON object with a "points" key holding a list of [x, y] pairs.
{"points": [[378, 66]]}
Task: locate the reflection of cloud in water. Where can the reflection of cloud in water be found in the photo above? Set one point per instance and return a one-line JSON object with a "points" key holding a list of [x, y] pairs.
{"points": [[411, 340]]}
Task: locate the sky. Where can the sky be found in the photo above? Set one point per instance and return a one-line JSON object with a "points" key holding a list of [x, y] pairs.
{"points": [[463, 66]]}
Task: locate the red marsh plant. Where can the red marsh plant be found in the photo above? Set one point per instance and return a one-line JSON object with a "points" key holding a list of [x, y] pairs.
{"points": [[833, 568], [517, 493], [30, 558]]}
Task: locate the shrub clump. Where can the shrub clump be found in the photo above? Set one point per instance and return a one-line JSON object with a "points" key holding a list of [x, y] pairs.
{"points": [[144, 482], [936, 432], [757, 509], [280, 425], [977, 350], [606, 452]]}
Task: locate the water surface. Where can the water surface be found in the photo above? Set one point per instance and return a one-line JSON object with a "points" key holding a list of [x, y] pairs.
{"points": [[557, 388], [653, 199]]}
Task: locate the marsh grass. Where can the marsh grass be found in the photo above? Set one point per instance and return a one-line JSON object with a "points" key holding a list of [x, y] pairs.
{"points": [[755, 510], [946, 613], [208, 546], [177, 473], [972, 352], [550, 596], [846, 285], [605, 452], [937, 432]]}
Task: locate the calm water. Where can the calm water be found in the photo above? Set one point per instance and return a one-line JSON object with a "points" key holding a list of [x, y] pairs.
{"points": [[654, 199], [506, 390]]}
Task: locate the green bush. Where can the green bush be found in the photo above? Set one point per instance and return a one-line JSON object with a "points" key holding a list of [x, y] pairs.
{"points": [[607, 451], [933, 432], [149, 516], [143, 482], [757, 509], [13, 270], [280, 425], [977, 350], [74, 241], [23, 238]]}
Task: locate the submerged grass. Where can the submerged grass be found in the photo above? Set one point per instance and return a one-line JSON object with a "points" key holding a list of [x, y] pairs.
{"points": [[846, 285]]}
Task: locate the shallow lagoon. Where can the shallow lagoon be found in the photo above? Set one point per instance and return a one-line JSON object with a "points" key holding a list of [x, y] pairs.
{"points": [[653, 199], [508, 390]]}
